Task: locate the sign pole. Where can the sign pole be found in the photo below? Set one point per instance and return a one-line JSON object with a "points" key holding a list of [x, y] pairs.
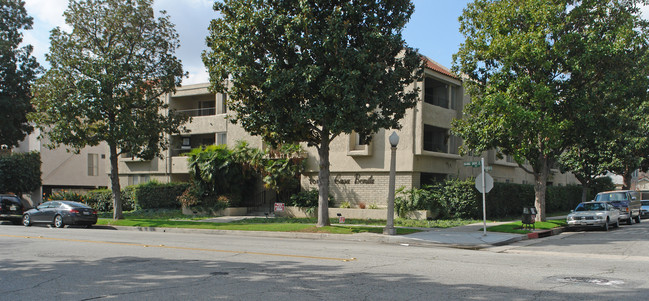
{"points": [[484, 199]]}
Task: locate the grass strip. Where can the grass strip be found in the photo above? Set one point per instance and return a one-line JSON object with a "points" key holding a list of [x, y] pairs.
{"points": [[273, 227], [517, 227]]}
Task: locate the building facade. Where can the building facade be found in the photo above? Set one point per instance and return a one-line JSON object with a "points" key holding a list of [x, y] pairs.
{"points": [[427, 151], [63, 170]]}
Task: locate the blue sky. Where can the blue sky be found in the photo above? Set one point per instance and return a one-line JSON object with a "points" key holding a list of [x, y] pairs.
{"points": [[433, 29]]}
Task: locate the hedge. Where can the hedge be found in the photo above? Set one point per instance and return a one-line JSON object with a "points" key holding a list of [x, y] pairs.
{"points": [[460, 199], [102, 199], [154, 195]]}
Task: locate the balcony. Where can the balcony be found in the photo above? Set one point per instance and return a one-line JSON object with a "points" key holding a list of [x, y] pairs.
{"points": [[197, 112]]}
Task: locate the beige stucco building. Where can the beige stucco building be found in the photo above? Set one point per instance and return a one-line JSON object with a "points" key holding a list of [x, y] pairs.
{"points": [[359, 172], [64, 170], [427, 152]]}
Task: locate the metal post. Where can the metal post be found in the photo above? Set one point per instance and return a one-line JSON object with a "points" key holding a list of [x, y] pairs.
{"points": [[484, 199], [389, 227]]}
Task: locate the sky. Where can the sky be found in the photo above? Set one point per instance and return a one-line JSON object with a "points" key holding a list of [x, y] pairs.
{"points": [[433, 29]]}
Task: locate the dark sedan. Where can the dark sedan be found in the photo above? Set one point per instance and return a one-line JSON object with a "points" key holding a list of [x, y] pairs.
{"points": [[61, 213]]}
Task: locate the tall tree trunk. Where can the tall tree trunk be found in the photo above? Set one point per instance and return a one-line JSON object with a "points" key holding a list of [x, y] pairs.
{"points": [[626, 178], [114, 183], [323, 182], [540, 187], [585, 187]]}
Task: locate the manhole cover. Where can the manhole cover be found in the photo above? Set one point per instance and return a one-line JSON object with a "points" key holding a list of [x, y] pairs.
{"points": [[591, 280]]}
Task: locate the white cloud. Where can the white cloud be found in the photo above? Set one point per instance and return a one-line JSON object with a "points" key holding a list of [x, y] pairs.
{"points": [[47, 11], [197, 75]]}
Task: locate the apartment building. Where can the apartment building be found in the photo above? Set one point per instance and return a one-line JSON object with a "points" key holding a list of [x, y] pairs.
{"points": [[65, 170], [427, 151]]}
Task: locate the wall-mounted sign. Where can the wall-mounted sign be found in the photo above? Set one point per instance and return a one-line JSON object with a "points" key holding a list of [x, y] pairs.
{"points": [[340, 180]]}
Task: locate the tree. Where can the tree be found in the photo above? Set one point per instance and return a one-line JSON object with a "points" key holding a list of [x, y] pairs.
{"points": [[309, 71], [607, 90], [18, 69], [533, 79], [20, 172], [106, 80]]}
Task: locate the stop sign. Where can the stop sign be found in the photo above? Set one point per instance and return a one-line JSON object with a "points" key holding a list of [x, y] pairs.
{"points": [[488, 183]]}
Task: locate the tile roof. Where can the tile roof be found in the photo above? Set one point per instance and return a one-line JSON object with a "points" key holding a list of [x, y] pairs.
{"points": [[435, 66]]}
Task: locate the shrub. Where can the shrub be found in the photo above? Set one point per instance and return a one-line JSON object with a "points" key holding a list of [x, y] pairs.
{"points": [[66, 196], [154, 195], [308, 200], [408, 200], [102, 199], [457, 199]]}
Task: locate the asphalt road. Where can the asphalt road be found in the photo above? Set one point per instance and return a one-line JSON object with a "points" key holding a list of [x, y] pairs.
{"points": [[40, 263]]}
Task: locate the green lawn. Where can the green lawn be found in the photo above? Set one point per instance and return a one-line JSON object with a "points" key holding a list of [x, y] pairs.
{"points": [[516, 227], [266, 226]]}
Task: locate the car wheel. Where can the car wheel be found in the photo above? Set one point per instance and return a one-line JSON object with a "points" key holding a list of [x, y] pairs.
{"points": [[606, 225], [58, 221], [27, 220], [637, 219], [88, 226], [617, 223]]}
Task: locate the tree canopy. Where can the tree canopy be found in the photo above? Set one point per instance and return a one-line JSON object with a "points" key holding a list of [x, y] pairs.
{"points": [[106, 79], [20, 172], [542, 74], [18, 69], [309, 71]]}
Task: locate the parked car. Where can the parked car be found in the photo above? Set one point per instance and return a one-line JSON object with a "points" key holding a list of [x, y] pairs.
{"points": [[644, 209], [594, 214], [11, 208], [627, 201], [644, 203], [61, 213]]}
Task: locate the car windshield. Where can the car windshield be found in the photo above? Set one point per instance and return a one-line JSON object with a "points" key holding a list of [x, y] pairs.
{"points": [[616, 196], [590, 207]]}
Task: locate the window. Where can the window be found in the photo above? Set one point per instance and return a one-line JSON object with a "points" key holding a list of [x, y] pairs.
{"points": [[427, 178], [221, 138], [93, 164], [222, 103], [206, 108], [435, 139], [358, 142], [137, 179], [186, 143], [436, 92]]}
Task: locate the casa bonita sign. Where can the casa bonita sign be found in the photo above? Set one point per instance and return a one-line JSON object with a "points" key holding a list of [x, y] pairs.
{"points": [[338, 179]]}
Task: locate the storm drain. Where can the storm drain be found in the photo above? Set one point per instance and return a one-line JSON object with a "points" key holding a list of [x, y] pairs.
{"points": [[591, 280]]}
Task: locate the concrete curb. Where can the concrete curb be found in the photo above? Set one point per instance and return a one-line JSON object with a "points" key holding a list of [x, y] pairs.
{"points": [[357, 237], [545, 233]]}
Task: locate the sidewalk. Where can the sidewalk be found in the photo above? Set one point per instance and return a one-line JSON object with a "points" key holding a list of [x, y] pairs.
{"points": [[469, 236]]}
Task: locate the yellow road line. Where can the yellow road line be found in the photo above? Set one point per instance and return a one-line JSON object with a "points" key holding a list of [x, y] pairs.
{"points": [[178, 248]]}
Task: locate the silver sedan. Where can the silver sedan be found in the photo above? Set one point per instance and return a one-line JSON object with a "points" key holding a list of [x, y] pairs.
{"points": [[594, 214]]}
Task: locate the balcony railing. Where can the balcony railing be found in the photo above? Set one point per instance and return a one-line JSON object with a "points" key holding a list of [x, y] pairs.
{"points": [[197, 112]]}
